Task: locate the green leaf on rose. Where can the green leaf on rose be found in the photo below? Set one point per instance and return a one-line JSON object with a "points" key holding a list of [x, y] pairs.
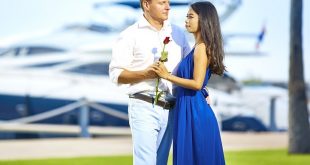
{"points": [[164, 56]]}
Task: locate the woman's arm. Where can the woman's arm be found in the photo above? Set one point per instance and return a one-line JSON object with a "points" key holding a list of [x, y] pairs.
{"points": [[200, 68]]}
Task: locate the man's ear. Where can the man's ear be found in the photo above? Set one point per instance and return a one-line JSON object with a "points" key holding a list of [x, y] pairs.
{"points": [[146, 5]]}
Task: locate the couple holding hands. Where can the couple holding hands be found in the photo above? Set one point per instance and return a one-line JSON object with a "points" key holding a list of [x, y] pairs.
{"points": [[168, 97]]}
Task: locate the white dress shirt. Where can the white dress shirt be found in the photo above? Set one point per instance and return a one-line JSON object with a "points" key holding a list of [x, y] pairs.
{"points": [[140, 45]]}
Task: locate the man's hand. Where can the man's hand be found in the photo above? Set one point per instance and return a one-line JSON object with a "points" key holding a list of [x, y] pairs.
{"points": [[150, 73]]}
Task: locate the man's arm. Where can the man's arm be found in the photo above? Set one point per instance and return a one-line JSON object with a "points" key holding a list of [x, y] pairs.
{"points": [[122, 57], [129, 77]]}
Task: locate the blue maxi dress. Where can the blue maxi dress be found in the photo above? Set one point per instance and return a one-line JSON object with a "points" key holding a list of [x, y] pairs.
{"points": [[196, 136]]}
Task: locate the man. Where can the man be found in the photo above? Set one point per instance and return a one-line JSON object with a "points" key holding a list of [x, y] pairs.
{"points": [[134, 53]]}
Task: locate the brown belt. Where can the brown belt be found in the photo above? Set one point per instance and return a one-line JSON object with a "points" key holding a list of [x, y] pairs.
{"points": [[166, 104]]}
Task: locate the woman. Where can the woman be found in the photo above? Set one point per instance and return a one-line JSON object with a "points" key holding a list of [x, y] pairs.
{"points": [[197, 138]]}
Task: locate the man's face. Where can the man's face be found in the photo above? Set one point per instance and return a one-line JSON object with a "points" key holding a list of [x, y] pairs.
{"points": [[157, 9]]}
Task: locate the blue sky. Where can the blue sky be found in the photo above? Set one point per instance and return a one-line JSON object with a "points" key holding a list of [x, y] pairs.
{"points": [[31, 15], [24, 16]]}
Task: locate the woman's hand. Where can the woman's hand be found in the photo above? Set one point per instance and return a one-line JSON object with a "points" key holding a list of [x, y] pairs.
{"points": [[161, 70]]}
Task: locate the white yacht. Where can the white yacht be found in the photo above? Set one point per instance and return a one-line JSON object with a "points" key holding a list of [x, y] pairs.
{"points": [[34, 89]]}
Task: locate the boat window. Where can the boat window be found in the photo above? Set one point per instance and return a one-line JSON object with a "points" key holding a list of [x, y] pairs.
{"points": [[99, 28], [92, 27], [41, 50], [47, 64], [10, 52], [32, 50], [93, 69]]}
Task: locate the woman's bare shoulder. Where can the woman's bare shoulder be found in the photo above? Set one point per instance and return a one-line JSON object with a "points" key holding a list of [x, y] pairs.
{"points": [[200, 49]]}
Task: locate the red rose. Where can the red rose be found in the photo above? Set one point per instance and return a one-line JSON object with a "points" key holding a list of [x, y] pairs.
{"points": [[167, 40]]}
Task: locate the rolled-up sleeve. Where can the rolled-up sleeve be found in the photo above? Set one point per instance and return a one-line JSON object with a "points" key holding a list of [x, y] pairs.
{"points": [[122, 56]]}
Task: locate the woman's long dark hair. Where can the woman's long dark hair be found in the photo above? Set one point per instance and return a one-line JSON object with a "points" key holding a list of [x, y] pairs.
{"points": [[211, 34]]}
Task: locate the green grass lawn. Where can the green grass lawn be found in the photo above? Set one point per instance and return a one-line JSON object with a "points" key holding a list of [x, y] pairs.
{"points": [[265, 157], [258, 157]]}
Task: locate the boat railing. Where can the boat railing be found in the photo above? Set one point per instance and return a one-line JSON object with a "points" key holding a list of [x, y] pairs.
{"points": [[84, 107]]}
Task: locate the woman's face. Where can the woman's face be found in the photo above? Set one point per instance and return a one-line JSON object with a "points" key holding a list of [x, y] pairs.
{"points": [[192, 21]]}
